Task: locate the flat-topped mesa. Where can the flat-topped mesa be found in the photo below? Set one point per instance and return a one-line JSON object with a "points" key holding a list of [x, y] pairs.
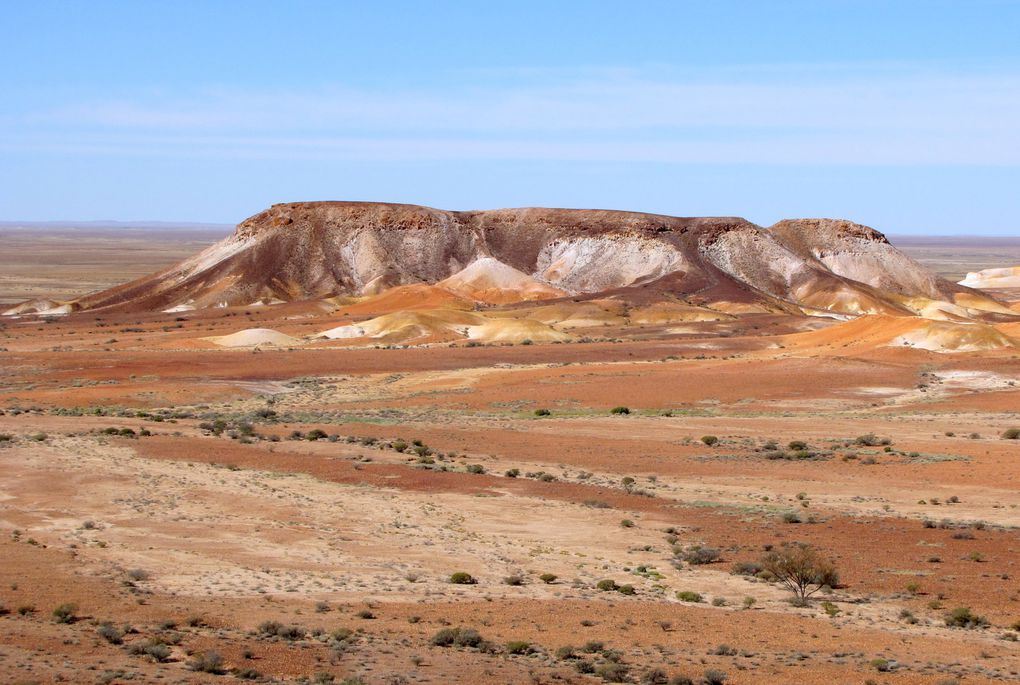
{"points": [[309, 250], [340, 214], [828, 229], [367, 215]]}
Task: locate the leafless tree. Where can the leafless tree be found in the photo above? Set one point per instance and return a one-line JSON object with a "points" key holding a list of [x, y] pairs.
{"points": [[801, 568]]}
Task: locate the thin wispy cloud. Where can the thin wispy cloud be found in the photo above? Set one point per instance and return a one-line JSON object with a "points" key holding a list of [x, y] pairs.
{"points": [[883, 115]]}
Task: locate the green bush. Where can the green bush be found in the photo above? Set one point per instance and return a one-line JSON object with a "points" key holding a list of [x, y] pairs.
{"points": [[619, 410], [111, 633], [654, 676], [746, 568], [518, 647], [542, 412], [963, 617], [207, 662], [1011, 434], [462, 578], [689, 596], [698, 555], [566, 652], [714, 676], [709, 440], [65, 613], [277, 629], [445, 637], [607, 585], [458, 637], [612, 672], [548, 578], [156, 649]]}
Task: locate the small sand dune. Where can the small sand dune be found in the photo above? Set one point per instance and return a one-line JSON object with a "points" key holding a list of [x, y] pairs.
{"points": [[251, 337]]}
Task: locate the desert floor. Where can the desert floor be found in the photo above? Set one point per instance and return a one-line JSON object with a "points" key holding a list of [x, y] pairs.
{"points": [[300, 512]]}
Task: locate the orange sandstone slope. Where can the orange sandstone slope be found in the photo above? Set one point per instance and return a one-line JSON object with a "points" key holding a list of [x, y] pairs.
{"points": [[867, 333], [323, 249]]}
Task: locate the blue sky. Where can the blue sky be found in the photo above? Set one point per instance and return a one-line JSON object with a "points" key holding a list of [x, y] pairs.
{"points": [[904, 115]]}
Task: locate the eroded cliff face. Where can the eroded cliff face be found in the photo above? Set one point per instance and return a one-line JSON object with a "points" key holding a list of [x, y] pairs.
{"points": [[321, 249]]}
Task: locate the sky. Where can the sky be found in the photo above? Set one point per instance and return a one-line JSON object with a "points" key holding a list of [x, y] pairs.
{"points": [[903, 115]]}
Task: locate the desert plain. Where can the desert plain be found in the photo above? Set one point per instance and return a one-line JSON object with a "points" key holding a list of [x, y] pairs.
{"points": [[178, 505]]}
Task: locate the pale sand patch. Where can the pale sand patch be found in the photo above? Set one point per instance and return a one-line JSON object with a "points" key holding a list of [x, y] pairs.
{"points": [[251, 337]]}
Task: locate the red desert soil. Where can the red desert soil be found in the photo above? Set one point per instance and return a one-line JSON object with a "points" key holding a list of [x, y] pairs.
{"points": [[298, 511]]}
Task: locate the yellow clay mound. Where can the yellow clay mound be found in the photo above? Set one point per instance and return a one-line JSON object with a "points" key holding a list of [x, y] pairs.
{"points": [[980, 302], [845, 300], [408, 325], [581, 314], [251, 337], [1011, 329], [871, 332], [404, 298], [670, 313], [938, 309], [489, 280], [515, 331], [742, 307]]}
